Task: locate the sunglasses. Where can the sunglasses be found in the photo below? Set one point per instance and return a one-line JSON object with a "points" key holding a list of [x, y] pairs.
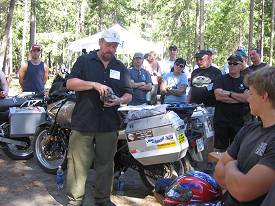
{"points": [[233, 63], [179, 65]]}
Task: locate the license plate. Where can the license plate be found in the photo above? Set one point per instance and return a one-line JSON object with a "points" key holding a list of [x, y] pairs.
{"points": [[200, 144]]}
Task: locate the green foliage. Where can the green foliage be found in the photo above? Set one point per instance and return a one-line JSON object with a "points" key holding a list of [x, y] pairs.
{"points": [[171, 21], [224, 25]]}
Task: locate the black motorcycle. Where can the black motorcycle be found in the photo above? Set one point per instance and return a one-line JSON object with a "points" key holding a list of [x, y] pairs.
{"points": [[16, 132]]}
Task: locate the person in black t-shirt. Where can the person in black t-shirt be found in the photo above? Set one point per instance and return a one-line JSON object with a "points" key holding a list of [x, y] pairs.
{"points": [[255, 56], [247, 169], [202, 81], [231, 100], [101, 83]]}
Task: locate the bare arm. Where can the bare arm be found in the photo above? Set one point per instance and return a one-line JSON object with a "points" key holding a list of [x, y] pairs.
{"points": [[219, 173], [163, 87], [240, 97], [146, 87], [125, 99], [141, 85], [223, 96], [46, 73], [179, 91], [81, 85], [136, 84], [22, 73], [4, 85], [246, 187]]}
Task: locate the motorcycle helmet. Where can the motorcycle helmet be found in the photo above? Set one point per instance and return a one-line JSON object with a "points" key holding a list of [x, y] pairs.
{"points": [[192, 188]]}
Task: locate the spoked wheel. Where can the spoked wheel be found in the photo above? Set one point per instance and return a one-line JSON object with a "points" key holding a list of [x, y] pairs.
{"points": [[149, 174], [19, 152], [49, 151]]}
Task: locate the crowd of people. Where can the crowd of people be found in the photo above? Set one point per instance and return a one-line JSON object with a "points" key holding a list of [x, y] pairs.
{"points": [[248, 144], [238, 92]]}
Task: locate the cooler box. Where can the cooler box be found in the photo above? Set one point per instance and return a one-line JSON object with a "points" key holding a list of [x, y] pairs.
{"points": [[24, 121], [157, 139]]}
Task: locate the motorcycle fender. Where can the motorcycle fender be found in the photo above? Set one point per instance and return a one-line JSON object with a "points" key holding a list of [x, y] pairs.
{"points": [[195, 155], [44, 124]]}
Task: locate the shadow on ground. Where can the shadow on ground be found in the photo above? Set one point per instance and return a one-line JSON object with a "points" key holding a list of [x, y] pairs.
{"points": [[24, 183]]}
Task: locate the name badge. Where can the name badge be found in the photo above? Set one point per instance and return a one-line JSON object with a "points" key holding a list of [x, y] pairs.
{"points": [[114, 74]]}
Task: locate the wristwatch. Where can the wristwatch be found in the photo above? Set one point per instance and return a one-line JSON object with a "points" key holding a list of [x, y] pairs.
{"points": [[230, 94]]}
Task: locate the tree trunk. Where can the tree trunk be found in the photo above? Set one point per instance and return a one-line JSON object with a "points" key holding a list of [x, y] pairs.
{"points": [[32, 24], [23, 47], [201, 24], [82, 15], [78, 20], [3, 49], [251, 16], [196, 40], [100, 4], [272, 33], [197, 29], [8, 65], [262, 30]]}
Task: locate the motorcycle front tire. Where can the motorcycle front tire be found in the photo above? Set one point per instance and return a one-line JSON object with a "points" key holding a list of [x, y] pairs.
{"points": [[18, 152], [149, 174], [39, 143]]}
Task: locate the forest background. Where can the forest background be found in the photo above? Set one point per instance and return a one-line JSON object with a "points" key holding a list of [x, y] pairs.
{"points": [[191, 25]]}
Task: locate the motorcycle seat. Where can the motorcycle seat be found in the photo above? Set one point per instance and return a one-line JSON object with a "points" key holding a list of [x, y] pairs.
{"points": [[183, 110], [5, 104]]}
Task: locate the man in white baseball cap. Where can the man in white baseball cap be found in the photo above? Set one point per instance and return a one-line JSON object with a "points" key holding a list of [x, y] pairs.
{"points": [[108, 44], [111, 36], [95, 120]]}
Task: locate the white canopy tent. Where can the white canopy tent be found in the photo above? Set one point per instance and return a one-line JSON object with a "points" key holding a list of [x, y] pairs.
{"points": [[130, 43]]}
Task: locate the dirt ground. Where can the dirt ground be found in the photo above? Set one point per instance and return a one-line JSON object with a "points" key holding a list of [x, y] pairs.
{"points": [[23, 183]]}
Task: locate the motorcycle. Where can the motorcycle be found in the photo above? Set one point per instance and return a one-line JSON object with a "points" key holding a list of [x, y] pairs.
{"points": [[200, 134], [15, 136], [51, 141]]}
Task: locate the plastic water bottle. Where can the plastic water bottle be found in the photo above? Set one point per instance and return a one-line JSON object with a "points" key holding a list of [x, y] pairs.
{"points": [[121, 184], [59, 178]]}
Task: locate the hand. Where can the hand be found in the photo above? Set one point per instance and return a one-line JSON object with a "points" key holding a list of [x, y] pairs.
{"points": [[231, 164], [142, 84], [101, 88], [246, 91], [113, 102]]}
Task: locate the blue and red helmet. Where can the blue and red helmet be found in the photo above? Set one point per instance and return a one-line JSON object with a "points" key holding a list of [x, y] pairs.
{"points": [[192, 188]]}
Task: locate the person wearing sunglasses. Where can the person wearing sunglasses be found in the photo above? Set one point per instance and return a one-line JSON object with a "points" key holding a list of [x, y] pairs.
{"points": [[140, 80], [174, 84], [231, 102]]}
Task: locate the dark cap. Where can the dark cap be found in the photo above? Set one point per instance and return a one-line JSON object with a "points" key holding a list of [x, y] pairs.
{"points": [[235, 58], [36, 47], [173, 47], [211, 51], [241, 52], [181, 61], [138, 55], [201, 53]]}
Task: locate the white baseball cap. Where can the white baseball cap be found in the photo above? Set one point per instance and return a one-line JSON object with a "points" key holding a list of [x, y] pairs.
{"points": [[111, 36]]}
